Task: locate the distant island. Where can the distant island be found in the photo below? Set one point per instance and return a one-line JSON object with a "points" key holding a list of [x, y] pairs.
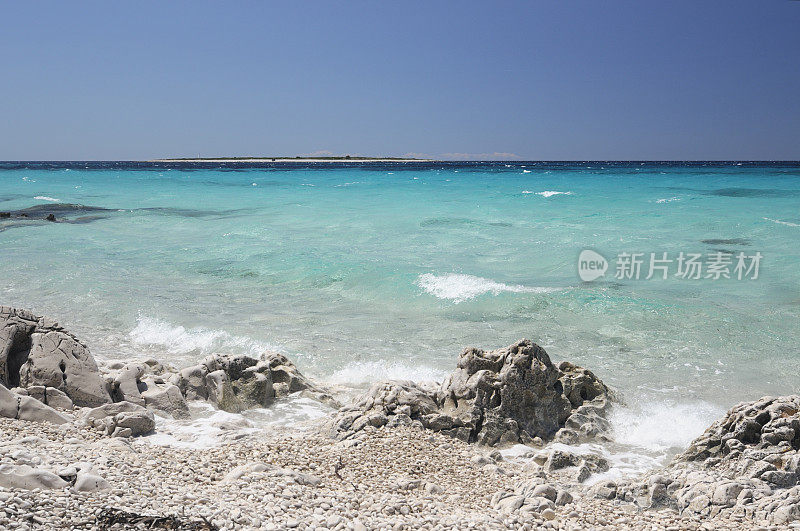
{"points": [[346, 158]]}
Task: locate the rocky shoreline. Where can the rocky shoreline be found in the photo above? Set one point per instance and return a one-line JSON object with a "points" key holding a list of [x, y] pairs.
{"points": [[76, 449]]}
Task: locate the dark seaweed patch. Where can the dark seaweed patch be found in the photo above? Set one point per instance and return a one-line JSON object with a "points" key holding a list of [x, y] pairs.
{"points": [[50, 212], [446, 222], [455, 222], [752, 192], [57, 209], [728, 241], [5, 198], [193, 213]]}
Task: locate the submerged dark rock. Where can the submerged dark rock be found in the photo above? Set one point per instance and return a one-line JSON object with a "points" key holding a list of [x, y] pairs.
{"points": [[53, 212], [726, 241]]}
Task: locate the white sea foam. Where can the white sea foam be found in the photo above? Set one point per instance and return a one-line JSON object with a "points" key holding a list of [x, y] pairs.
{"points": [[458, 287], [547, 193], [526, 171], [644, 437], [668, 200], [47, 198], [779, 222], [210, 426], [367, 372], [203, 341], [661, 426]]}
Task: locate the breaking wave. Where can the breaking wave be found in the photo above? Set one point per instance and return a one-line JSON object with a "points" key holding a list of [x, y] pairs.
{"points": [[458, 287], [366, 372], [164, 336], [779, 222], [547, 193]]}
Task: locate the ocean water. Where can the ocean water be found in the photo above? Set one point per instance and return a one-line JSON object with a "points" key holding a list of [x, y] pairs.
{"points": [[362, 272]]}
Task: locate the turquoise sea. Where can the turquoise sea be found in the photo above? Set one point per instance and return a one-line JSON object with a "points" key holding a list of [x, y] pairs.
{"points": [[367, 271]]}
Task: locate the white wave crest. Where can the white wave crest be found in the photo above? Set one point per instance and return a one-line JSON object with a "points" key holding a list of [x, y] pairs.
{"points": [[458, 287], [47, 198], [547, 193], [659, 425], [668, 200], [366, 372], [779, 222], [162, 335]]}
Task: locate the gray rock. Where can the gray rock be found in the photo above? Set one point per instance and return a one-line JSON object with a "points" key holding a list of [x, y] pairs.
{"points": [[50, 396], [36, 351], [24, 407], [236, 383], [502, 397], [115, 418], [606, 490], [87, 481], [26, 477], [530, 497], [506, 390], [166, 398], [402, 400], [125, 385], [757, 440], [726, 494], [744, 466]]}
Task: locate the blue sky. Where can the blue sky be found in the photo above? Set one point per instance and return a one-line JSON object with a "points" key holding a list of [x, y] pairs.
{"points": [[565, 80]]}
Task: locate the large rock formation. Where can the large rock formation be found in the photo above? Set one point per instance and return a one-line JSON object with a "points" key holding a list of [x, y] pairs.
{"points": [[36, 351], [745, 465], [42, 362], [504, 396]]}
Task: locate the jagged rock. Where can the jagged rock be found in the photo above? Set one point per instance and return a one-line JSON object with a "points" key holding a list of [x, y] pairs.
{"points": [[121, 419], [165, 397], [505, 396], [401, 399], [502, 393], [236, 383], [36, 351], [578, 466], [746, 464], [16, 406], [125, 384], [530, 497], [606, 490], [144, 384]]}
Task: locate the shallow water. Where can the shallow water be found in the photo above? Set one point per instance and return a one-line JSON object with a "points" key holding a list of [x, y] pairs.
{"points": [[362, 272]]}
